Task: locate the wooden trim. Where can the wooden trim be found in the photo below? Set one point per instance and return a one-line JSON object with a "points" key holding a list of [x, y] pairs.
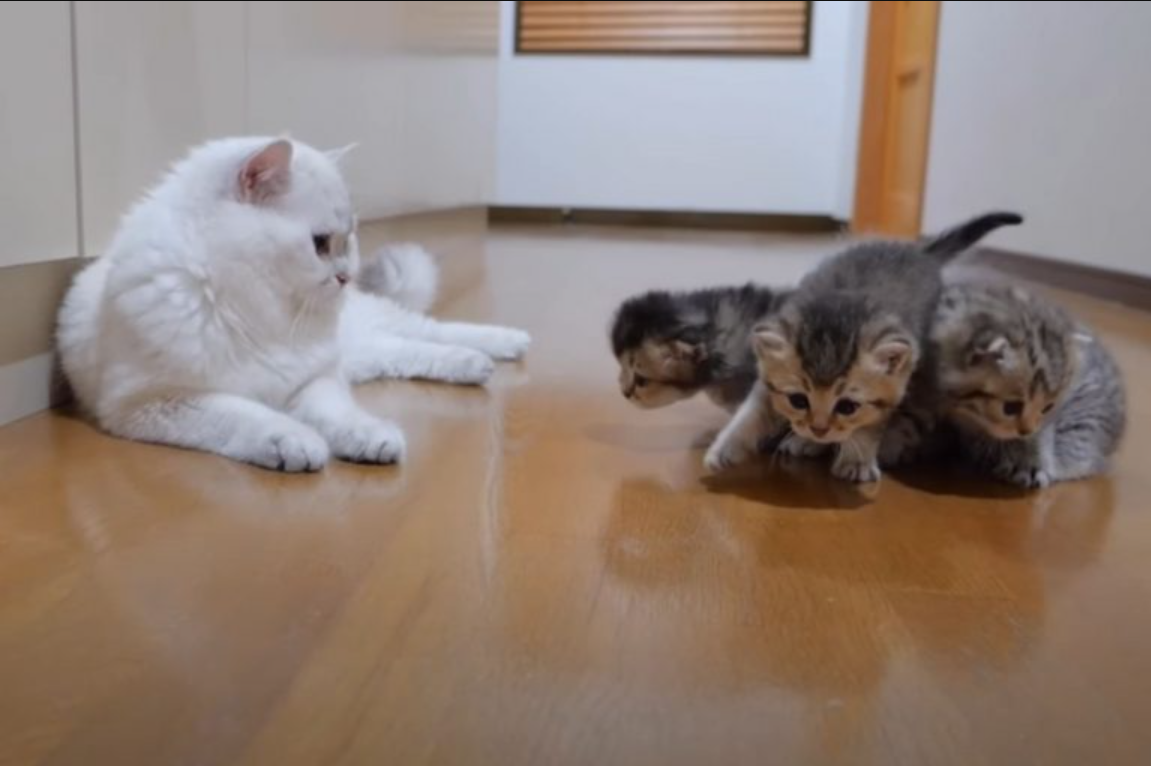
{"points": [[804, 52], [776, 222], [873, 120], [1107, 284], [30, 296]]}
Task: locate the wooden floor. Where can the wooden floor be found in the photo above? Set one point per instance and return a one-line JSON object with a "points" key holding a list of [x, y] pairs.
{"points": [[550, 580]]}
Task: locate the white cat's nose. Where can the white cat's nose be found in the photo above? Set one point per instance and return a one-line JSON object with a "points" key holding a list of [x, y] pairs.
{"points": [[343, 279]]}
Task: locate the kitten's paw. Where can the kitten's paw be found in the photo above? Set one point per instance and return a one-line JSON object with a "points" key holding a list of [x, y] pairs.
{"points": [[293, 451], [505, 344], [468, 367], [1029, 477], [794, 445], [720, 456], [373, 442], [857, 471]]}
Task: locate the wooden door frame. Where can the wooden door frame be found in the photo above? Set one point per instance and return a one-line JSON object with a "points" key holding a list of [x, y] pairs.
{"points": [[882, 29]]}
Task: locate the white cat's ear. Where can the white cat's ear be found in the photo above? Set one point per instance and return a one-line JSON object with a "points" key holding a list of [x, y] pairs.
{"points": [[267, 172], [769, 342], [337, 155], [893, 355]]}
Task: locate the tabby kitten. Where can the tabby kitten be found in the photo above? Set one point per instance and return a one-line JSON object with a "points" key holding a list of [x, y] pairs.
{"points": [[670, 346], [836, 360], [1035, 397]]}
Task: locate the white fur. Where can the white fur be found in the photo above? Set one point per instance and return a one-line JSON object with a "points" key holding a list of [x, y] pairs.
{"points": [[213, 324]]}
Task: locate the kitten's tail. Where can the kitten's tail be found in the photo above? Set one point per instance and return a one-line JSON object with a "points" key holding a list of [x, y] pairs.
{"points": [[950, 243], [405, 273]]}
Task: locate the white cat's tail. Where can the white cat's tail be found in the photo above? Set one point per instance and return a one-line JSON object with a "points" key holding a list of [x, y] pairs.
{"points": [[405, 273]]}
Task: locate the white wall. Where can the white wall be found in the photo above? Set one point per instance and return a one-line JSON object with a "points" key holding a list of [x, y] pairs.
{"points": [[724, 134], [1046, 108], [413, 83]]}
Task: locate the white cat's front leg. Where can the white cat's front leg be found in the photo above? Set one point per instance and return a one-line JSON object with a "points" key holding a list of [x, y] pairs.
{"points": [[374, 357], [224, 424], [353, 434], [503, 343], [753, 422]]}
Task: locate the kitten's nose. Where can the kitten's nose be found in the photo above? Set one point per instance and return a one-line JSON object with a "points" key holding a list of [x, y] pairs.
{"points": [[819, 431], [343, 279]]}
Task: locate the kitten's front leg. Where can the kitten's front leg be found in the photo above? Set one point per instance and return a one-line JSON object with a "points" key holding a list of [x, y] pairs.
{"points": [[1023, 462], [753, 422], [856, 458], [327, 405]]}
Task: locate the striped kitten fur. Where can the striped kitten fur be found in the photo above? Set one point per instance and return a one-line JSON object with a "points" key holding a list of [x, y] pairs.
{"points": [[1034, 397], [837, 359], [673, 345]]}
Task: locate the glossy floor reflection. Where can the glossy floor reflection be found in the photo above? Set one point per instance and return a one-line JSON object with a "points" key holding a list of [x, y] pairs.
{"points": [[551, 581]]}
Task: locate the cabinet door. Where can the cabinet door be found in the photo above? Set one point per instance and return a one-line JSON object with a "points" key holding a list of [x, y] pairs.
{"points": [[37, 138], [153, 79]]}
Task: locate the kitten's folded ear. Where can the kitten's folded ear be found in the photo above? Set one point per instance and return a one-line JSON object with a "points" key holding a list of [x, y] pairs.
{"points": [[770, 342], [266, 173], [893, 354], [990, 350]]}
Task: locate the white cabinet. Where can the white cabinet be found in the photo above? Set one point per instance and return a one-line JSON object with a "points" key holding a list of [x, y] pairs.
{"points": [[37, 139], [153, 80]]}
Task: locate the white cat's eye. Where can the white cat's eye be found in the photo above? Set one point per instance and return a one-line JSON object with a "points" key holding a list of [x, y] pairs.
{"points": [[322, 243]]}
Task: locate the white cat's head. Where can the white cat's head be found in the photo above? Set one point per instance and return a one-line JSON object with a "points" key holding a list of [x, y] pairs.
{"points": [[295, 215]]}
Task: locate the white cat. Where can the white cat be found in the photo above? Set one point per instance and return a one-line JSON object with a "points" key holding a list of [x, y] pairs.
{"points": [[224, 317]]}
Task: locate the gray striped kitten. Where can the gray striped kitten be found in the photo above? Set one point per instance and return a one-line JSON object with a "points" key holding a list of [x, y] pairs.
{"points": [[838, 357], [1035, 397]]}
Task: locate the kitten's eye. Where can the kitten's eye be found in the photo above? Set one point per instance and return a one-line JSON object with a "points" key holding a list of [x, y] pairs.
{"points": [[846, 407], [1048, 408], [1013, 408], [322, 243], [798, 401], [640, 381]]}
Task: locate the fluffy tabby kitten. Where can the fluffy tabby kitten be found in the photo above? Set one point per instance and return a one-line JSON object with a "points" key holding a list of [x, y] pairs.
{"points": [[670, 346], [1035, 398], [223, 317], [837, 358]]}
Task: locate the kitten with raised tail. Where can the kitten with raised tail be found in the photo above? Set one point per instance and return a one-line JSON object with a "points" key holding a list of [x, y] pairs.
{"points": [[672, 345], [836, 360], [224, 318], [1035, 398]]}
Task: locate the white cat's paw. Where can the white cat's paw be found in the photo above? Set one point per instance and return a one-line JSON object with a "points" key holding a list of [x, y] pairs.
{"points": [[794, 445], [292, 451], [373, 441], [506, 344], [471, 368], [721, 456], [857, 471]]}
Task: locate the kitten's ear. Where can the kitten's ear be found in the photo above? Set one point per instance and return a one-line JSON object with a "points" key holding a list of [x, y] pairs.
{"points": [[337, 155], [893, 355], [993, 350], [769, 342], [687, 351], [267, 172]]}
